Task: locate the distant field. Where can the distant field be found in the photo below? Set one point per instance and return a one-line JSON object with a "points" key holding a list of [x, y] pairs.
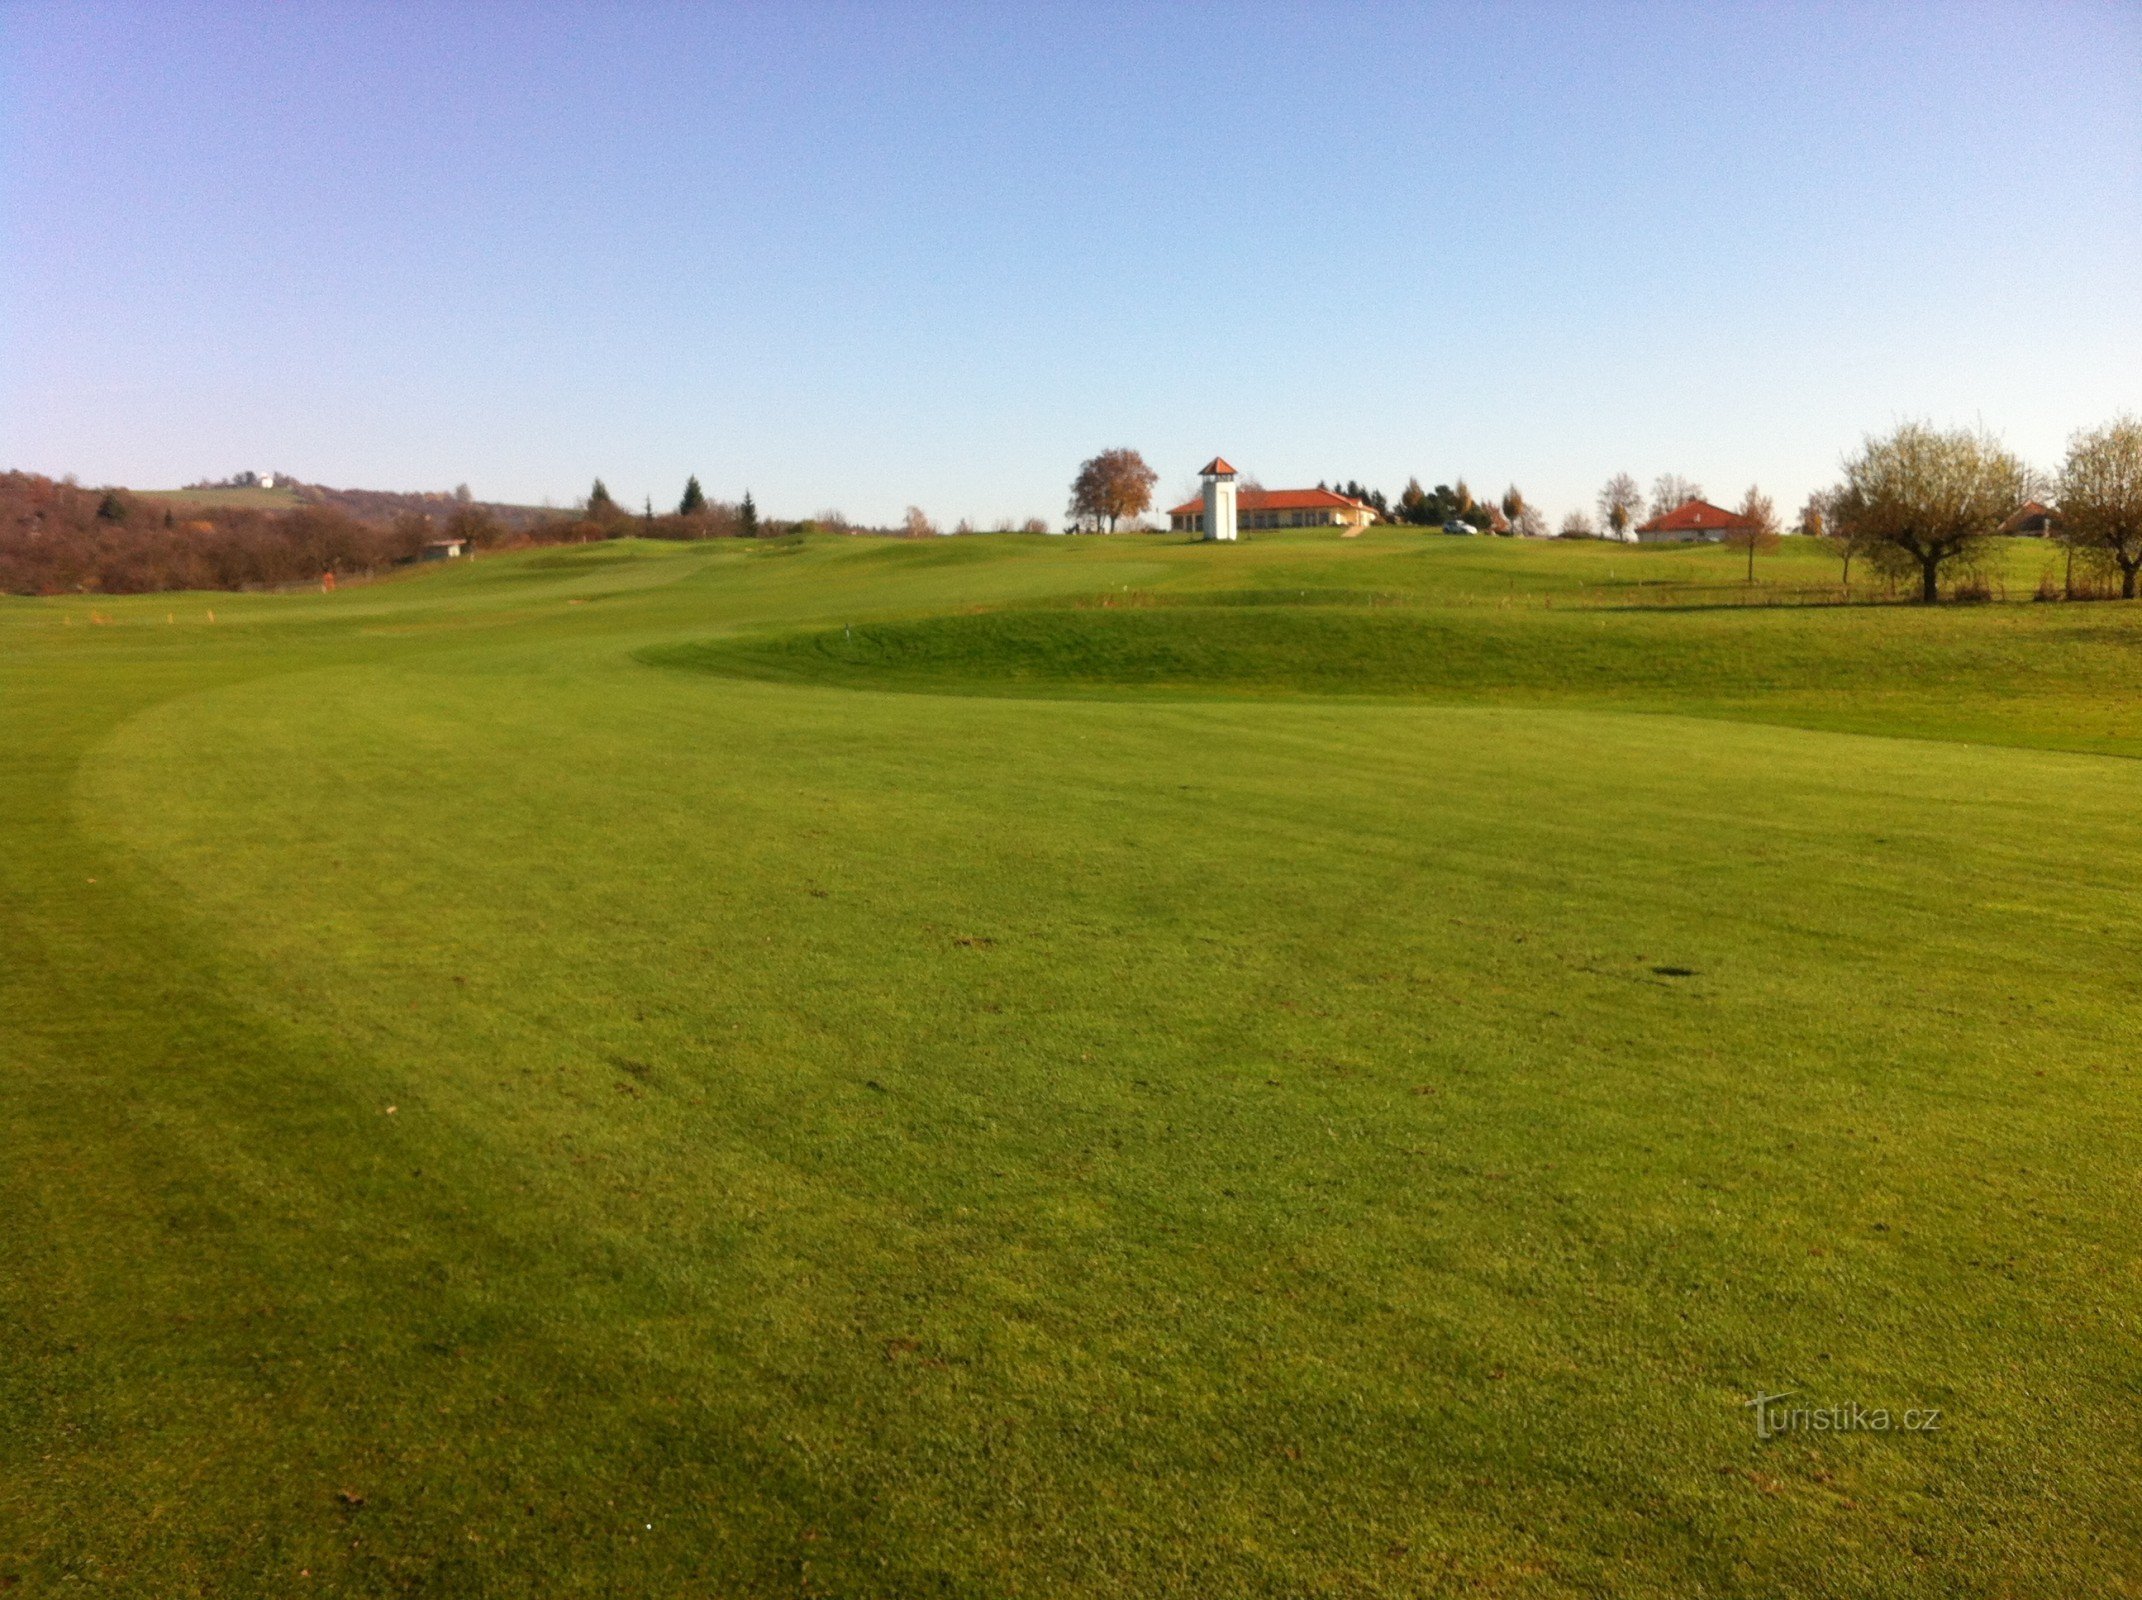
{"points": [[233, 499], [1069, 1067]]}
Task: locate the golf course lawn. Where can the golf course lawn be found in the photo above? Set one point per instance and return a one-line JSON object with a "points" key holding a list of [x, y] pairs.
{"points": [[1092, 1067]]}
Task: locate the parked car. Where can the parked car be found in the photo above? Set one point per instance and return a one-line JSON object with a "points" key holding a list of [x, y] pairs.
{"points": [[1455, 526]]}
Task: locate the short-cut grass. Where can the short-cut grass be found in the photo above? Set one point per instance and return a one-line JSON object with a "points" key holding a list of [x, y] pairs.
{"points": [[1068, 1067]]}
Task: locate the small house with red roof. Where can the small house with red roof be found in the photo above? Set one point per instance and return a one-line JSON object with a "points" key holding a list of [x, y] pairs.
{"points": [[2032, 521], [1691, 522]]}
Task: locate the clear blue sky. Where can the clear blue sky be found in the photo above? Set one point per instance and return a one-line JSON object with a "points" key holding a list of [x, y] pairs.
{"points": [[863, 256]]}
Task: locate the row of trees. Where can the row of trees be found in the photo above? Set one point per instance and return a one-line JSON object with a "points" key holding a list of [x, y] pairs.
{"points": [[58, 538], [1447, 503], [600, 516], [1923, 502]]}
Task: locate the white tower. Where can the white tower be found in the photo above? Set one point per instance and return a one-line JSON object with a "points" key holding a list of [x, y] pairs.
{"points": [[1219, 499]]}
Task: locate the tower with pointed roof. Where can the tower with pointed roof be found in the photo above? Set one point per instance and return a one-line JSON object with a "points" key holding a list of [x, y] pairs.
{"points": [[1219, 498]]}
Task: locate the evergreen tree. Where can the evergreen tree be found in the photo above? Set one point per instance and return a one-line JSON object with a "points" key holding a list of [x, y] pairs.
{"points": [[694, 501], [599, 500], [747, 518]]}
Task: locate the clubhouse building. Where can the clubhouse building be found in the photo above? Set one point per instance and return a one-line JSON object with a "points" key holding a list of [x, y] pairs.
{"points": [[1265, 508]]}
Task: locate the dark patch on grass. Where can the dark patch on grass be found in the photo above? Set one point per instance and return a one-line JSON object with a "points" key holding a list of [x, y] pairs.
{"points": [[930, 553], [585, 558]]}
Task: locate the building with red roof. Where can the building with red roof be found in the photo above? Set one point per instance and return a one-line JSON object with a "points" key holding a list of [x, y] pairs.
{"points": [[2032, 521], [1278, 508], [1691, 522]]}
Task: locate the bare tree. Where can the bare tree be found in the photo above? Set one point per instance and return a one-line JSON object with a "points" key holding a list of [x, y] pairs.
{"points": [[1925, 499], [1619, 502], [1579, 526], [1815, 514], [1113, 485], [1670, 489], [475, 525], [917, 525], [1757, 528], [1528, 523], [2101, 497]]}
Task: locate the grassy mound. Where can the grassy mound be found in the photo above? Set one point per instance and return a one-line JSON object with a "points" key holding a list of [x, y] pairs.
{"points": [[2014, 676]]}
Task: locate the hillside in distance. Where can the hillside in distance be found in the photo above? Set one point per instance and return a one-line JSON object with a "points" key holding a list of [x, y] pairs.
{"points": [[366, 505]]}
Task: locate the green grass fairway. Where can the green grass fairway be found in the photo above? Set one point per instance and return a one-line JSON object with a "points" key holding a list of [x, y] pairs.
{"points": [[1039, 1067]]}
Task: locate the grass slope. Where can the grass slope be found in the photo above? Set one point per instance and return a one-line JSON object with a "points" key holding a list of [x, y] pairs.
{"points": [[1220, 1096], [252, 498]]}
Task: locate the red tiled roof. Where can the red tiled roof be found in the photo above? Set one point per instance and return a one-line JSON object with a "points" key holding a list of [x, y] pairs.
{"points": [[1693, 516], [1214, 467], [1276, 500], [2030, 511]]}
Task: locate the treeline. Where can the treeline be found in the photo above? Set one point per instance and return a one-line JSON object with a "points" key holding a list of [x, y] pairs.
{"points": [[60, 538], [695, 517], [57, 538], [1448, 503]]}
